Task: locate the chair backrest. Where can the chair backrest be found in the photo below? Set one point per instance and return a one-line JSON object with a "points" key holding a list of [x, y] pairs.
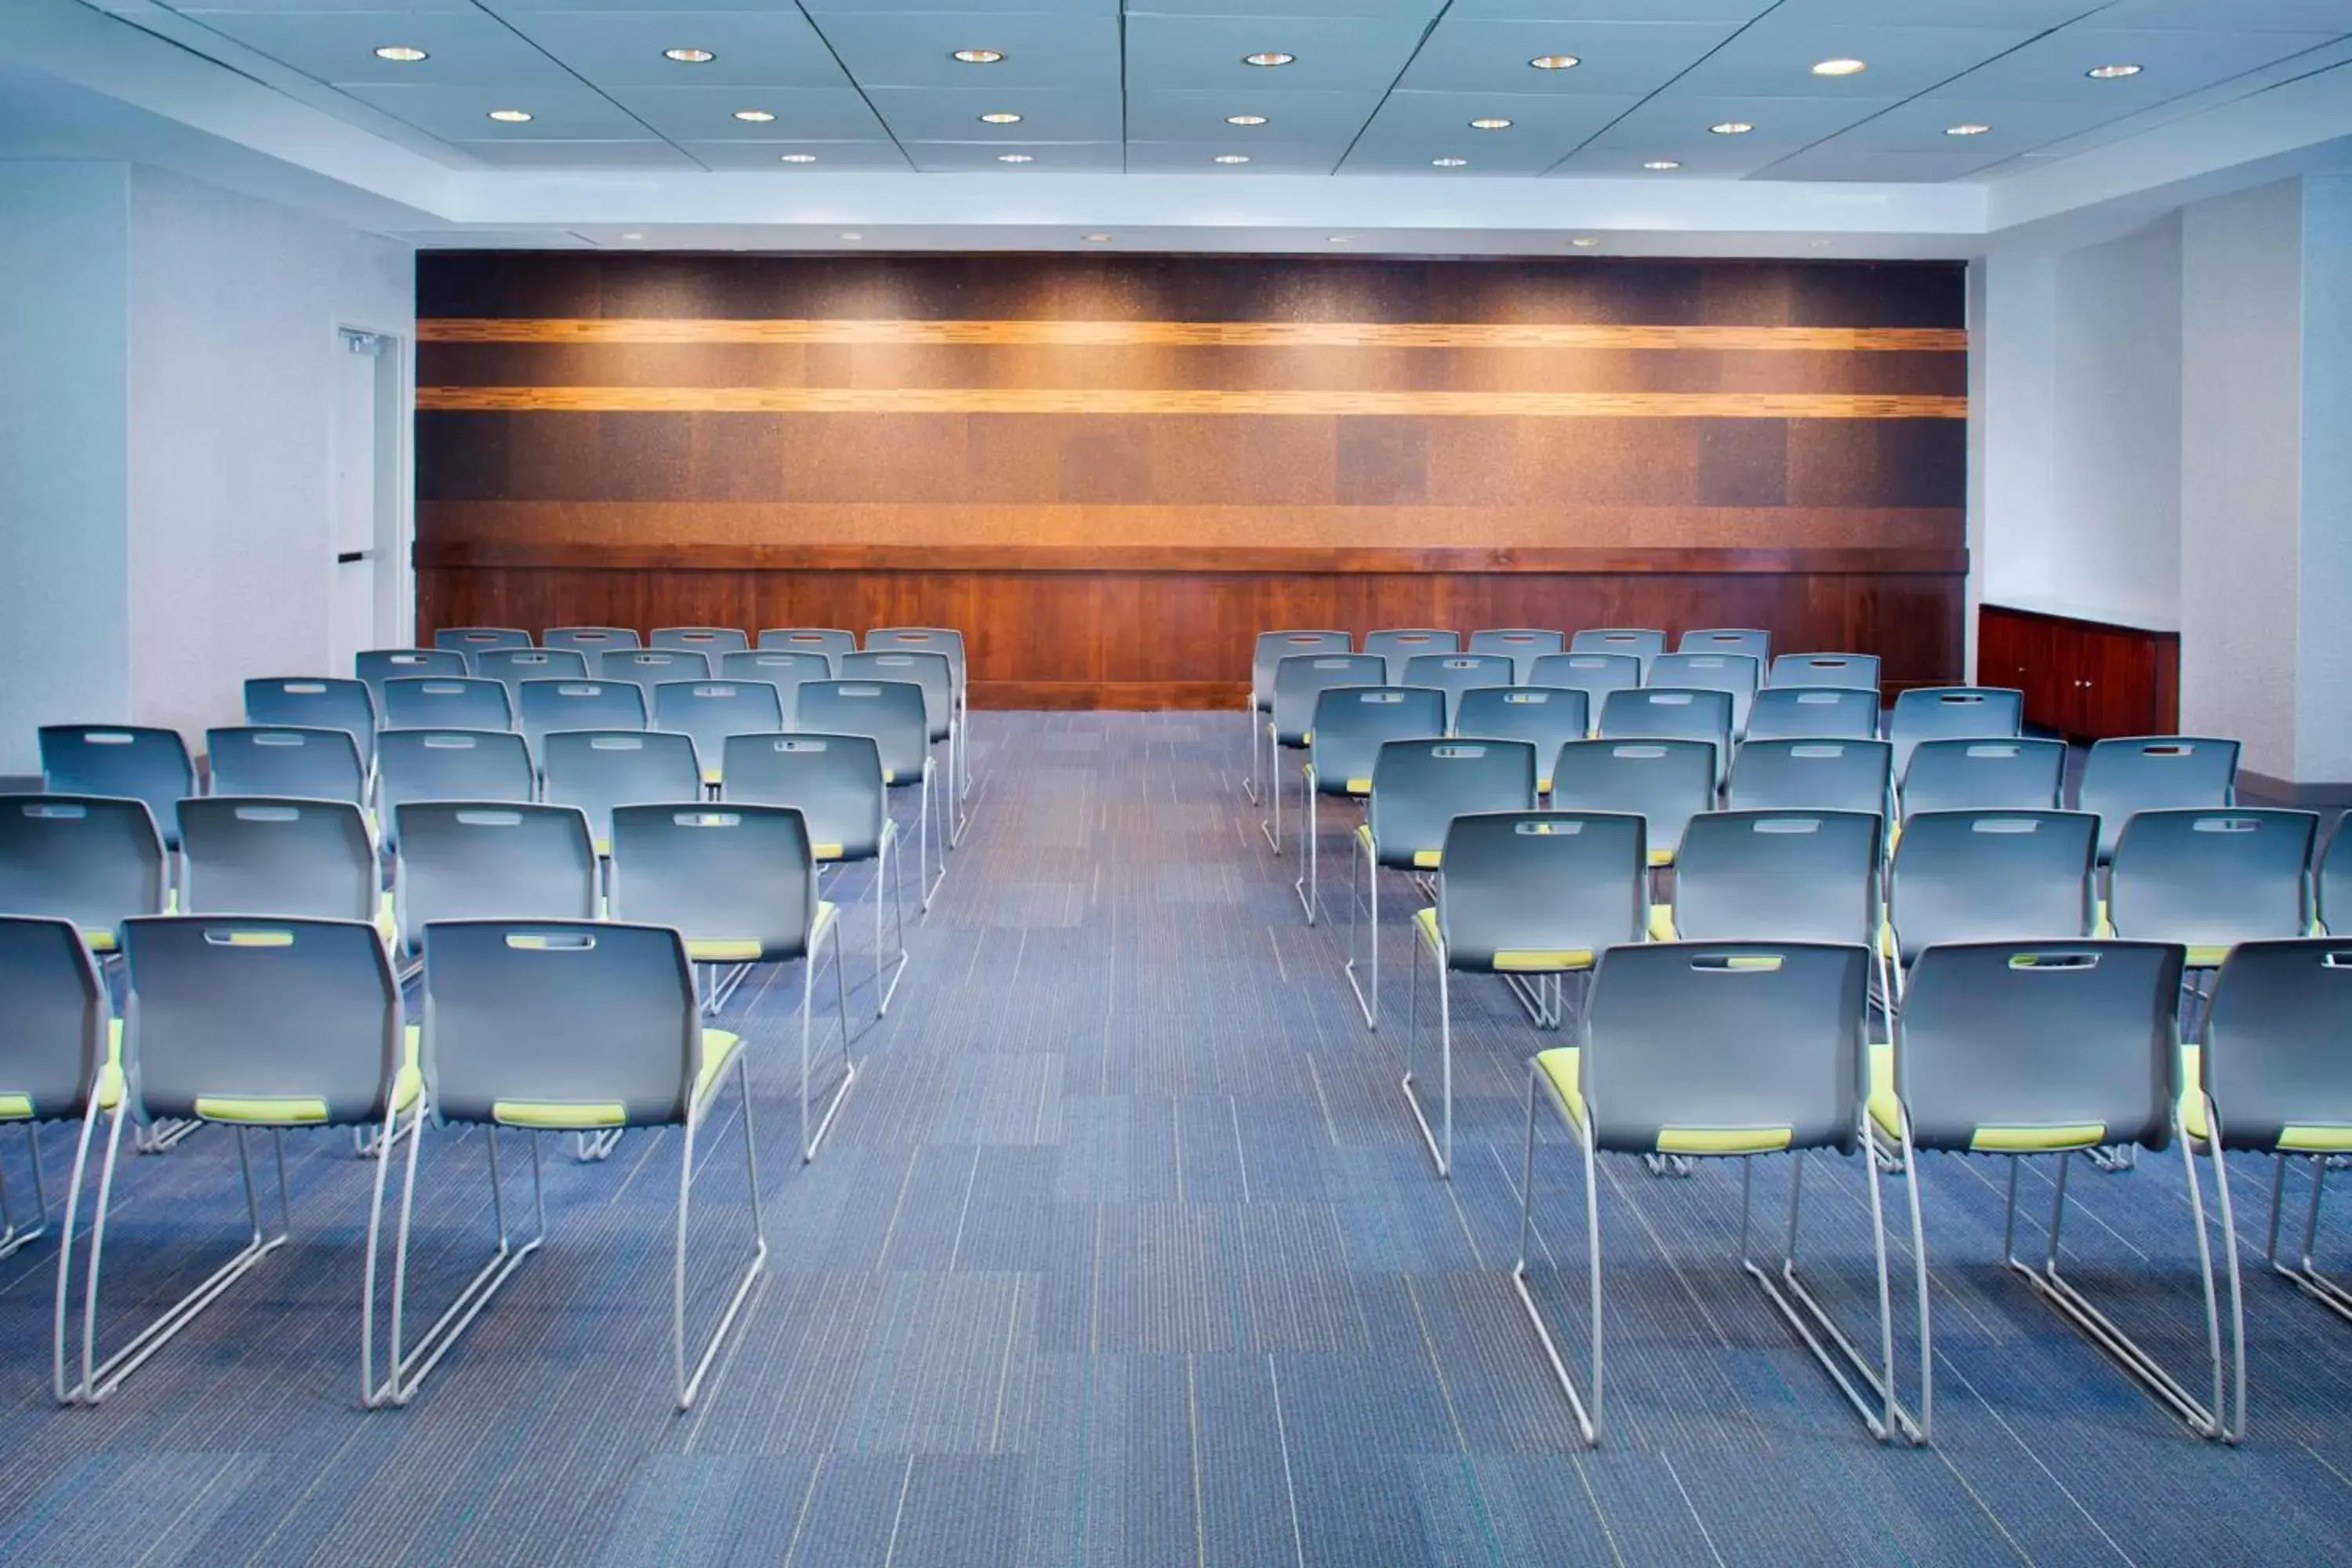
{"points": [[1678, 713], [1779, 876], [1811, 775], [894, 712], [1272, 647], [1807, 712], [714, 642], [1850, 671], [2015, 1046], [834, 780], [95, 860], [1420, 786], [1551, 716], [1352, 722], [708, 711], [303, 703], [466, 860], [1642, 642], [1300, 680], [1756, 644], [780, 667], [302, 1012], [2015, 774], [2333, 882], [730, 873], [2274, 1060], [597, 770], [1949, 713], [472, 640], [1541, 889], [830, 641], [260, 855], [377, 665], [1594, 674], [439, 702], [134, 761], [649, 667], [1666, 781], [1521, 645], [944, 640], [1993, 876], [1725, 1047], [928, 669], [2210, 879], [1455, 673], [511, 667], [2155, 773], [598, 1019], [55, 1043], [548, 706], [314, 765], [1398, 643], [593, 641], [448, 764], [1738, 674]]}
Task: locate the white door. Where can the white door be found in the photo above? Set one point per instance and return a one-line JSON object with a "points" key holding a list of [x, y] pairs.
{"points": [[365, 601]]}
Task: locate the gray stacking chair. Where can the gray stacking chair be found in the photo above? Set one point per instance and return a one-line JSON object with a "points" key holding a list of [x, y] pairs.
{"points": [[375, 666], [1551, 716], [532, 1027], [1351, 725], [1532, 896], [1992, 875], [2024, 1048], [834, 782], [896, 715], [135, 761], [1657, 712], [1455, 673], [1594, 674], [1419, 787], [314, 704], [830, 641], [1299, 681], [1265, 659], [1666, 782], [55, 1054], [1521, 645], [472, 640], [593, 642], [1844, 672], [313, 764], [2211, 880], [463, 860], [1642, 642], [738, 883], [436, 702], [712, 642], [949, 642], [95, 860], [548, 706], [254, 1024], [2273, 1062], [1756, 644], [1724, 1050], [597, 770], [1811, 775], [780, 667], [1781, 875], [1736, 673], [1398, 643], [1813, 713], [649, 667], [708, 711], [2154, 773], [1952, 713], [448, 764], [2012, 775], [2332, 881], [511, 667], [932, 671], [255, 855]]}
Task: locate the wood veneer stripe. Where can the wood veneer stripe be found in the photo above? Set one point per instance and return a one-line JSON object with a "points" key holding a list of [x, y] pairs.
{"points": [[1185, 334], [1052, 400]]}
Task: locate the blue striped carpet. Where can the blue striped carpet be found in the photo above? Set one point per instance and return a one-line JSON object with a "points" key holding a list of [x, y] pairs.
{"points": [[1126, 1251]]}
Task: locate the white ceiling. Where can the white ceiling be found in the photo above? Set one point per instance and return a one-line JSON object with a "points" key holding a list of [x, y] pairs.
{"points": [[1378, 87]]}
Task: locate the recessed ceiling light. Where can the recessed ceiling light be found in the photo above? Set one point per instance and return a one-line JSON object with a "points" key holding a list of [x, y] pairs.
{"points": [[1268, 58], [1490, 123], [401, 54], [690, 56], [2109, 73], [754, 116], [796, 157], [1584, 242], [1232, 157], [1013, 158], [1000, 117], [632, 235], [1663, 164], [1555, 62], [1839, 68], [1730, 128], [1449, 162], [1096, 238], [1970, 129], [1341, 238], [511, 116], [1245, 119], [979, 57]]}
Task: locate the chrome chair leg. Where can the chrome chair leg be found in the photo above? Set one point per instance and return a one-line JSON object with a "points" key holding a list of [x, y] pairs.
{"points": [[1440, 1140], [691, 1385], [2303, 1271], [1310, 838], [1588, 1420], [809, 965], [1369, 1004], [13, 1234]]}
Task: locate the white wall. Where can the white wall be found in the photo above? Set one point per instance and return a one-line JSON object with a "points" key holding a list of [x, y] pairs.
{"points": [[63, 485], [2323, 690], [235, 306]]}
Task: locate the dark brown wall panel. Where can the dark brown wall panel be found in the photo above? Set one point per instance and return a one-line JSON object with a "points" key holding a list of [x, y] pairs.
{"points": [[1112, 471]]}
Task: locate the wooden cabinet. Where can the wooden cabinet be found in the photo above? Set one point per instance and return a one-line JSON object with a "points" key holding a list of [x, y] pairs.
{"points": [[2087, 678]]}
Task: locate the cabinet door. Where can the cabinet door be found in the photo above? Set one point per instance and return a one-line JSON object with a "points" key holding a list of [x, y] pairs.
{"points": [[2117, 684]]}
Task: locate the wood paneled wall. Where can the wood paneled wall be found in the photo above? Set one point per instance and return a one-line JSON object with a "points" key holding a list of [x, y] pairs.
{"points": [[1113, 471]]}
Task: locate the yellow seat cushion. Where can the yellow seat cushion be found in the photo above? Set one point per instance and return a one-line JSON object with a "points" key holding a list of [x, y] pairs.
{"points": [[1886, 1113], [1561, 1066], [719, 1049], [1884, 1109], [1662, 856], [1662, 923], [712, 776], [99, 941], [720, 950]]}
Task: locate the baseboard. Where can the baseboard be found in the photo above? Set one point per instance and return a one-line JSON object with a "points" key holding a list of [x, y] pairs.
{"points": [[20, 784], [2256, 788]]}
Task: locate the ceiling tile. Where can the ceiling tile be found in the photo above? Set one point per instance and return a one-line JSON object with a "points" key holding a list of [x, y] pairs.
{"points": [[2176, 61], [1921, 126], [340, 46], [1544, 129], [1191, 113], [2037, 14], [934, 114], [1414, 10], [1045, 53], [1334, 53], [982, 8], [1728, 158], [1675, 119], [2233, 15], [1775, 57], [517, 154], [623, 49], [1264, 157], [1830, 162], [708, 113], [1046, 157], [1729, 12], [1616, 57], [559, 113], [832, 157], [202, 7]]}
